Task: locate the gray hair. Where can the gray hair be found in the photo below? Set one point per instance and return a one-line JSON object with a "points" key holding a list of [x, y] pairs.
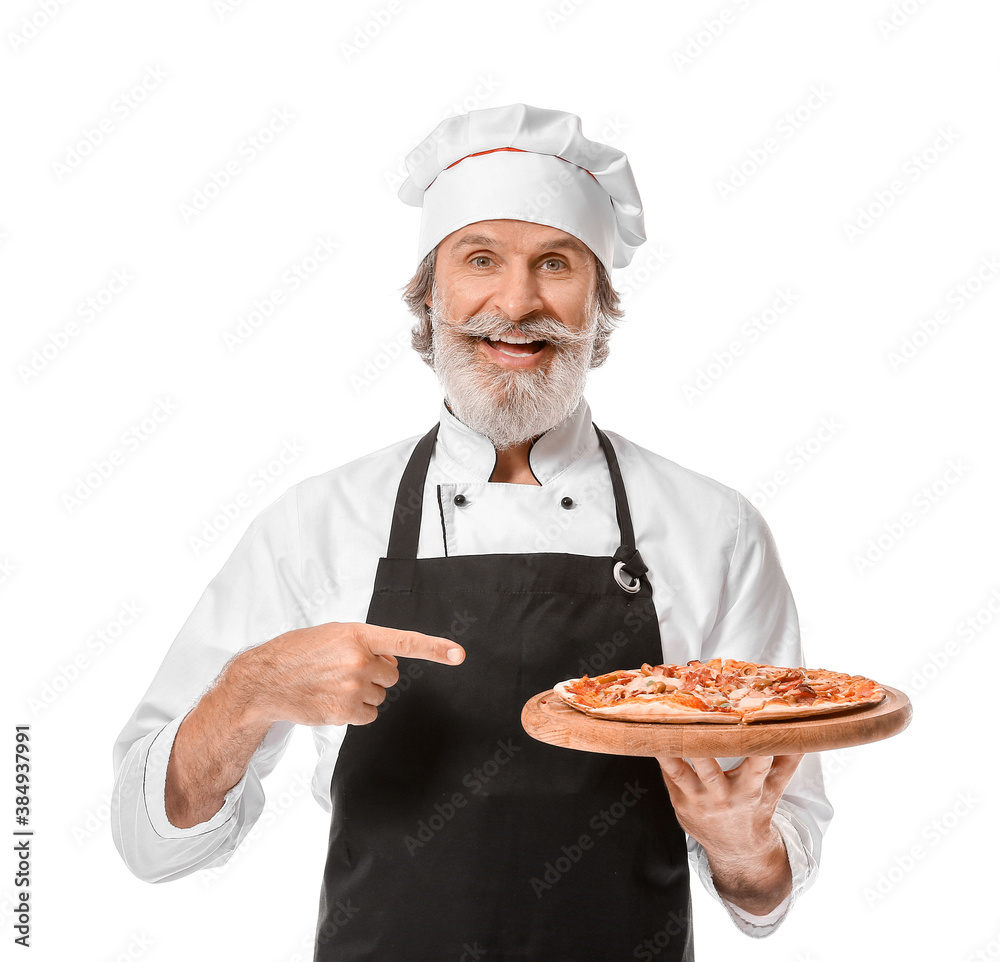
{"points": [[418, 290]]}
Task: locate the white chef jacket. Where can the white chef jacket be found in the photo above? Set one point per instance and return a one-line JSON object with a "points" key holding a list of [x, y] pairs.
{"points": [[310, 558]]}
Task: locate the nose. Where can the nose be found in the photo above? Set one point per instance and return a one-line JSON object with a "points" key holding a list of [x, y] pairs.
{"points": [[518, 293]]}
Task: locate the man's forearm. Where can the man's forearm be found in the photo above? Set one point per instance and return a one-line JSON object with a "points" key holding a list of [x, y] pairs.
{"points": [[755, 880], [212, 750], [330, 674]]}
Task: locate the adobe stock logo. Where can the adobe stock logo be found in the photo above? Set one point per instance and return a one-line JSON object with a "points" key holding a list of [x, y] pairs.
{"points": [[486, 87], [70, 669], [88, 309], [898, 17], [939, 661], [230, 508], [750, 333], [796, 458], [137, 947], [8, 568], [712, 29], [956, 298], [45, 12], [222, 178], [559, 14], [476, 781], [370, 30], [914, 168], [291, 280], [389, 351], [120, 109], [785, 128], [986, 952], [226, 8], [132, 439], [650, 948], [554, 870], [933, 833], [894, 530], [278, 806]]}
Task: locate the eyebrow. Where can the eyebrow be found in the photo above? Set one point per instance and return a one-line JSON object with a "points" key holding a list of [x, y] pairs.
{"points": [[482, 240]]}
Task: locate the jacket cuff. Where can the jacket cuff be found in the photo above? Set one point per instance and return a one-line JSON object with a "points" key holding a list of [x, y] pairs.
{"points": [[799, 861], [154, 790]]}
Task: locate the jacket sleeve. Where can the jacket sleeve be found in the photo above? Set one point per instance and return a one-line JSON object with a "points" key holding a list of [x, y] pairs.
{"points": [[757, 621], [254, 598]]}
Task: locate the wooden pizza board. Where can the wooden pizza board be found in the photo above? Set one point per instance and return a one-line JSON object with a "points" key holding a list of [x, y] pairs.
{"points": [[549, 719]]}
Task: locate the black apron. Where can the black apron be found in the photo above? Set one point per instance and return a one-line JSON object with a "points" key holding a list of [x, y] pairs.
{"points": [[455, 835]]}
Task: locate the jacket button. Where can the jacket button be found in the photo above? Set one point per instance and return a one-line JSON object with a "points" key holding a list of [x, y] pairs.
{"points": [[567, 502], [459, 499]]}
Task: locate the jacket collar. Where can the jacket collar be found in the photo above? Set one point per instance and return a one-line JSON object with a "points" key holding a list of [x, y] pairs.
{"points": [[549, 456]]}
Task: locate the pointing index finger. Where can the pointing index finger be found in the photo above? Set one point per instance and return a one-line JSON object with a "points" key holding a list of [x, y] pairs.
{"points": [[412, 644]]}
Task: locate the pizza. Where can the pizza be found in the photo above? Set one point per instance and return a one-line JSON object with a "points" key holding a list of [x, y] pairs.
{"points": [[725, 691]]}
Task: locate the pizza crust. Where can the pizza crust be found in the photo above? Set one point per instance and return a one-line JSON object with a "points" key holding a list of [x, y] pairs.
{"points": [[776, 711]]}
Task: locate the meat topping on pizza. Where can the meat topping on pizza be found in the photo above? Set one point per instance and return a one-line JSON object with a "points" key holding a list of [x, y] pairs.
{"points": [[719, 690]]}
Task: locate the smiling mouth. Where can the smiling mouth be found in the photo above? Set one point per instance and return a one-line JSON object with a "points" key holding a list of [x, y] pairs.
{"points": [[513, 345]]}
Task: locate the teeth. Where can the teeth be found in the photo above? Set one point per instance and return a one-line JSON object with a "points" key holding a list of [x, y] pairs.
{"points": [[511, 339]]}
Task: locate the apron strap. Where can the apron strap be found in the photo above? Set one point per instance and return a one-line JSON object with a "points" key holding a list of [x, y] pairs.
{"points": [[405, 533], [628, 561]]}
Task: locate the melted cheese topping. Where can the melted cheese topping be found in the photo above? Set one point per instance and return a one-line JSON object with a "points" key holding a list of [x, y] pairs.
{"points": [[722, 687]]}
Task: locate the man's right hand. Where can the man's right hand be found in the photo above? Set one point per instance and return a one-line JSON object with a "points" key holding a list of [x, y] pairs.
{"points": [[332, 674]]}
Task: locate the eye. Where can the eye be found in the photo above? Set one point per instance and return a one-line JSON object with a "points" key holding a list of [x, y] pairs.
{"points": [[481, 260], [555, 260]]}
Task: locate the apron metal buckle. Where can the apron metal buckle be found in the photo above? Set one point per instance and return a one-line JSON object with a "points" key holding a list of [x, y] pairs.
{"points": [[630, 588]]}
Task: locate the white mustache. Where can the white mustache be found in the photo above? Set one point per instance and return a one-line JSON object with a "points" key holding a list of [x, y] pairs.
{"points": [[544, 328]]}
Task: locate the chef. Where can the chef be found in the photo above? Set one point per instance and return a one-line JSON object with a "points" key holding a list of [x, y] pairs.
{"points": [[405, 606]]}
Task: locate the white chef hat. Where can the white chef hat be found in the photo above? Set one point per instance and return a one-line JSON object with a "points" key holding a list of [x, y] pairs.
{"points": [[524, 163]]}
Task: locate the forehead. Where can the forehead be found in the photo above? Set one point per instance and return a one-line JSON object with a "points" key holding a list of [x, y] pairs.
{"points": [[511, 236]]}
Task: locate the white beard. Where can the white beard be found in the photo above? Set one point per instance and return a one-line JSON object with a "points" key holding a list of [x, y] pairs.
{"points": [[510, 406]]}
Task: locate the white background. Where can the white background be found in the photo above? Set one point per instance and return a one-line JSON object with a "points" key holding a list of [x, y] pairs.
{"points": [[914, 103]]}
